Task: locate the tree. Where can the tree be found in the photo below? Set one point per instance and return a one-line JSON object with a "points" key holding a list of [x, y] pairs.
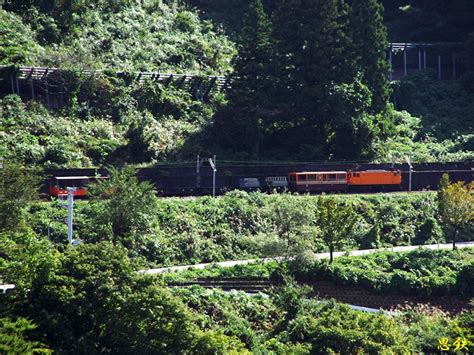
{"points": [[335, 222], [455, 206], [369, 41], [98, 302], [314, 65], [290, 218], [18, 187], [125, 204], [252, 80], [252, 77], [13, 339]]}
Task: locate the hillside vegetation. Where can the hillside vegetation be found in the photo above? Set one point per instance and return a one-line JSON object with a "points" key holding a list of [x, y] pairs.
{"points": [[421, 273], [174, 231], [278, 106], [91, 297]]}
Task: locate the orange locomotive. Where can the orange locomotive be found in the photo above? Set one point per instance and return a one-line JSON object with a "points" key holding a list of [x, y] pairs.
{"points": [[344, 181]]}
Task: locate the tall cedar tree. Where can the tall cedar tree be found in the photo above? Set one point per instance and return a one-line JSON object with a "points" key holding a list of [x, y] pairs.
{"points": [[313, 55], [251, 85], [288, 41], [252, 80], [369, 40]]}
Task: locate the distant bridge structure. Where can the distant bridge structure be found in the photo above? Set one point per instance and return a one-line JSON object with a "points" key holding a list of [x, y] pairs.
{"points": [[51, 86], [449, 60]]}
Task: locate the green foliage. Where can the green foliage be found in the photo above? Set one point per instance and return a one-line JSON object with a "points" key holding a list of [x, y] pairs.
{"points": [[455, 207], [105, 34], [32, 135], [240, 225], [94, 300], [421, 272], [18, 44], [408, 139], [90, 298], [238, 315], [99, 124], [251, 79], [26, 261], [369, 39], [122, 207], [18, 187], [305, 72], [245, 271], [13, 340], [332, 328], [444, 107], [430, 21], [314, 78], [335, 222], [291, 221], [425, 327]]}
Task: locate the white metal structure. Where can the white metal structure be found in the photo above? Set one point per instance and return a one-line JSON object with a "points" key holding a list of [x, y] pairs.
{"points": [[7, 287]]}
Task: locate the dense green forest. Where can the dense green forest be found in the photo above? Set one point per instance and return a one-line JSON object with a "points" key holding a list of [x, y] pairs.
{"points": [[309, 81]]}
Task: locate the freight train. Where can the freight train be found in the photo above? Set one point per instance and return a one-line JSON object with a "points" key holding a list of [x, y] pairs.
{"points": [[186, 180]]}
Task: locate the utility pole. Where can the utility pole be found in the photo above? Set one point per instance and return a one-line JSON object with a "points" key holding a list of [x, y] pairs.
{"points": [[70, 214], [212, 162], [410, 168], [198, 175], [70, 211]]}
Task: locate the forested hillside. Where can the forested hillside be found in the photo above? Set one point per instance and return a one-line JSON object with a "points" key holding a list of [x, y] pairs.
{"points": [[298, 80], [309, 81]]}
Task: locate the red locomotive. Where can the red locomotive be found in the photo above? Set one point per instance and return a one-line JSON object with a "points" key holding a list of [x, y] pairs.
{"points": [[58, 185]]}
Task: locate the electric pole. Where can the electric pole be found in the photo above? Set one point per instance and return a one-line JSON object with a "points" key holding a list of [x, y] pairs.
{"points": [[212, 162], [70, 215], [410, 168]]}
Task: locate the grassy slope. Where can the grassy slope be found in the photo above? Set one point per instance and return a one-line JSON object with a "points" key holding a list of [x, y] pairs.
{"points": [[244, 225]]}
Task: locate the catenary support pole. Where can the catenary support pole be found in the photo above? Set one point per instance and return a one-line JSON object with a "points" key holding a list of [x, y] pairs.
{"points": [[454, 66], [405, 61], [410, 168], [390, 75], [214, 177], [439, 67], [70, 211], [198, 176]]}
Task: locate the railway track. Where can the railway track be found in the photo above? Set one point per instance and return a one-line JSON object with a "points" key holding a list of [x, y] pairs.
{"points": [[228, 284], [324, 289], [183, 179]]}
